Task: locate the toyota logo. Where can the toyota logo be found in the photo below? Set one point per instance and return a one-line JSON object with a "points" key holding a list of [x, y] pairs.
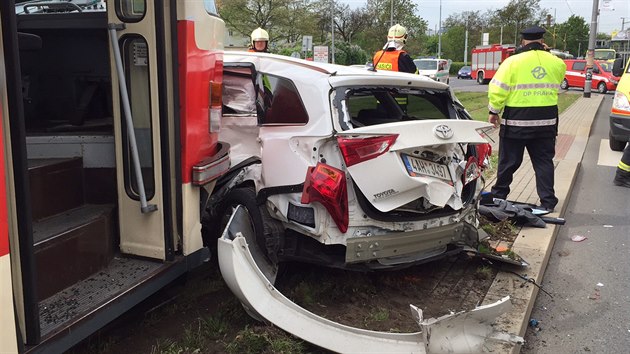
{"points": [[443, 131]]}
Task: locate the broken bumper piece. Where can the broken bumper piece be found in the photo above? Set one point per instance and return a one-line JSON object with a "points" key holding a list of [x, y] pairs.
{"points": [[464, 332]]}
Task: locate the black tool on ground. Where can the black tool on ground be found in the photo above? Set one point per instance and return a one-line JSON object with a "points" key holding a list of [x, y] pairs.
{"points": [[527, 279], [552, 220]]}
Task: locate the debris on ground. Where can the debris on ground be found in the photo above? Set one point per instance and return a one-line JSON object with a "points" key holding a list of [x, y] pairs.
{"points": [[578, 238]]}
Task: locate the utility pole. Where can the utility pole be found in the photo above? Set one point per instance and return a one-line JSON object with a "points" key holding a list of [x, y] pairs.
{"points": [[391, 14], [501, 38], [623, 22], [591, 50], [466, 44], [440, 34], [332, 29]]}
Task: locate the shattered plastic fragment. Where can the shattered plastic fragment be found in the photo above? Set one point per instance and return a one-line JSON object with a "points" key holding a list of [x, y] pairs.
{"points": [[578, 238], [600, 284], [608, 226]]}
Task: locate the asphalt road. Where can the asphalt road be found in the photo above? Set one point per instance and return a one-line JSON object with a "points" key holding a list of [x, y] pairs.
{"points": [[589, 280], [466, 85]]}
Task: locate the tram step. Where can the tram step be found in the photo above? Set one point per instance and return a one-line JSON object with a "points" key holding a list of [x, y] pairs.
{"points": [[71, 246], [56, 185]]}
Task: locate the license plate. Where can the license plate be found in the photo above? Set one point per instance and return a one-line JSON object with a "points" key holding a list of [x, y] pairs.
{"points": [[420, 167]]}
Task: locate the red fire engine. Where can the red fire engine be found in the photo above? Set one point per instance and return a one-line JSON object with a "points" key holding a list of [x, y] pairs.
{"points": [[486, 60]]}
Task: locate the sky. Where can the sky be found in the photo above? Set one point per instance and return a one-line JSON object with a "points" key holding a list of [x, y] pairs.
{"points": [[563, 9]]}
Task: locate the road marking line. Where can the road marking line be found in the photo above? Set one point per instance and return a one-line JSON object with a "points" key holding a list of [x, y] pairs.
{"points": [[608, 157]]}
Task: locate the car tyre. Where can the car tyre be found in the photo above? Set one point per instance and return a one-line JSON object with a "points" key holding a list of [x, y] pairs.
{"points": [[564, 85], [246, 197], [480, 80], [615, 145], [601, 87]]}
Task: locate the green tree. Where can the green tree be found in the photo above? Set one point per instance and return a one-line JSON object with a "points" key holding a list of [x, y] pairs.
{"points": [[285, 20], [516, 16], [405, 13], [571, 36]]}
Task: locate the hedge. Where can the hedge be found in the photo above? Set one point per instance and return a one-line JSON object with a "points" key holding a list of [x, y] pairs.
{"points": [[455, 66]]}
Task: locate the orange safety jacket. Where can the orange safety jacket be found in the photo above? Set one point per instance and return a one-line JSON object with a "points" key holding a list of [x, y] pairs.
{"points": [[387, 60]]}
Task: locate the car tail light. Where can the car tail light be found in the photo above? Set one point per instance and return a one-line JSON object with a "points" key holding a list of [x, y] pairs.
{"points": [[216, 98], [327, 185], [484, 151], [356, 149], [471, 172]]}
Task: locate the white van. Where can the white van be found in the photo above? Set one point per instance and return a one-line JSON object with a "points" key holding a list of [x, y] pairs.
{"points": [[436, 69]]}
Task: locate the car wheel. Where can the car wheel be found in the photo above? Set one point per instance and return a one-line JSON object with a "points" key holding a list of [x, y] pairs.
{"points": [[564, 85], [480, 78], [458, 77], [448, 81], [615, 145], [246, 197], [601, 87]]}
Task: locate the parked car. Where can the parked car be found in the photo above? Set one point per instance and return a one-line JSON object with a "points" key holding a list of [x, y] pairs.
{"points": [[603, 80], [619, 133], [346, 167], [465, 72], [436, 69]]}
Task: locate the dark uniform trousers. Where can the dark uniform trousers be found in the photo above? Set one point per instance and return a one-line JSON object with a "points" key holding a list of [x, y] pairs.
{"points": [[541, 152]]}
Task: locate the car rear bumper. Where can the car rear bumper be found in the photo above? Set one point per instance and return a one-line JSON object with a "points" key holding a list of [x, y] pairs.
{"points": [[411, 246], [620, 127]]}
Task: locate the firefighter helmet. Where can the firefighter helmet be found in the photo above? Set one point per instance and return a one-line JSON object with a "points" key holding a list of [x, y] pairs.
{"points": [[259, 34], [397, 33]]}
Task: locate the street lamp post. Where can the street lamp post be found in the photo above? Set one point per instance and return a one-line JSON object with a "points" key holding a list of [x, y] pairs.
{"points": [[332, 29], [440, 34], [466, 44]]}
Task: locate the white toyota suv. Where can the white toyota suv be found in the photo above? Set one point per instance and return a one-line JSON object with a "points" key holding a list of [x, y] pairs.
{"points": [[346, 167]]}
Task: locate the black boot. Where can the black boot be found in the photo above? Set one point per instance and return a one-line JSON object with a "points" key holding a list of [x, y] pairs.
{"points": [[622, 178]]}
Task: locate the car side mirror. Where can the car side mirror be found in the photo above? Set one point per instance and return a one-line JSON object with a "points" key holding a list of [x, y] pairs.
{"points": [[617, 69], [595, 70]]}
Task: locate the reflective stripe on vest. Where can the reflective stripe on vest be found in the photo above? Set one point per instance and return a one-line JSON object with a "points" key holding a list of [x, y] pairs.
{"points": [[528, 79], [387, 60], [529, 123]]}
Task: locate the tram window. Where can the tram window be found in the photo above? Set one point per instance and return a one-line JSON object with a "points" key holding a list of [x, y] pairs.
{"points": [[131, 10], [136, 62]]}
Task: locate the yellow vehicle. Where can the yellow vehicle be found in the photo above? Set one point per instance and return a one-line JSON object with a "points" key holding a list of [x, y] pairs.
{"points": [[604, 54], [620, 112]]}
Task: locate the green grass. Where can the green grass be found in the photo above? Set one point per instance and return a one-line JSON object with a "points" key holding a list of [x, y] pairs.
{"points": [[476, 103]]}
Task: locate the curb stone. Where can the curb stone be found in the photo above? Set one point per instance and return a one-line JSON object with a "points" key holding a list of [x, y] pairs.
{"points": [[535, 244]]}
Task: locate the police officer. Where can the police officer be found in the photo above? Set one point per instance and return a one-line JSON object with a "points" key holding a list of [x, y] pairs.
{"points": [[392, 57], [622, 176], [525, 89], [259, 41]]}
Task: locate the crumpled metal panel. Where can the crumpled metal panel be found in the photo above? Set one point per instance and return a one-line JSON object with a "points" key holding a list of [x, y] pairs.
{"points": [[464, 332]]}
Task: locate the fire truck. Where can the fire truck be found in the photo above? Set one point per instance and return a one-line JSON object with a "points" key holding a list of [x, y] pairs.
{"points": [[109, 150], [486, 60]]}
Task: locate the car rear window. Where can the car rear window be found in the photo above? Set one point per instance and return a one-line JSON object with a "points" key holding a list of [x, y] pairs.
{"points": [[372, 106], [426, 64]]}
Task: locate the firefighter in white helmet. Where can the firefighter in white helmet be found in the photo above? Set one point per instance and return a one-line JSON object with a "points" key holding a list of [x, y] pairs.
{"points": [[259, 41], [392, 57]]}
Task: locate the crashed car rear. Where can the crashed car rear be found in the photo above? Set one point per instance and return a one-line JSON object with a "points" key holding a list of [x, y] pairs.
{"points": [[346, 167]]}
